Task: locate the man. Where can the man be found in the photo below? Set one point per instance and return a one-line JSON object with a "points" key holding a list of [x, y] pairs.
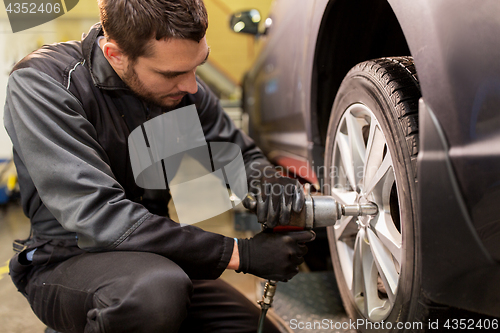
{"points": [[102, 256]]}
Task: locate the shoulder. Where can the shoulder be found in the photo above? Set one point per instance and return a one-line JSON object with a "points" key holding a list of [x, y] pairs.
{"points": [[55, 60]]}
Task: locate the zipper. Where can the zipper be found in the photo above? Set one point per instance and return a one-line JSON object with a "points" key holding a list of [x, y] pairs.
{"points": [[148, 111]]}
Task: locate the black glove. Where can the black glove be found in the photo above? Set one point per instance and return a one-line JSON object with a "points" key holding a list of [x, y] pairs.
{"points": [[274, 198], [274, 256]]}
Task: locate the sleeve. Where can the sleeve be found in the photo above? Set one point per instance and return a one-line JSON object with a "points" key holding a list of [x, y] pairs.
{"points": [[71, 173], [217, 126]]}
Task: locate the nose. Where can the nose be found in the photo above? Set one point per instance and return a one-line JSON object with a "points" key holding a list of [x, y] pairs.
{"points": [[188, 83]]}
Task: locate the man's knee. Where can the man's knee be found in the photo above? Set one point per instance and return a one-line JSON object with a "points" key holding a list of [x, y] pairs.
{"points": [[153, 298], [162, 289]]}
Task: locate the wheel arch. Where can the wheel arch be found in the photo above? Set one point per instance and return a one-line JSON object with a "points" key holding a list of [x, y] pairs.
{"points": [[377, 32]]}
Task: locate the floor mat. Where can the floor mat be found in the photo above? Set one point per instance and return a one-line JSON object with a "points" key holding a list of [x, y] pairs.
{"points": [[310, 303]]}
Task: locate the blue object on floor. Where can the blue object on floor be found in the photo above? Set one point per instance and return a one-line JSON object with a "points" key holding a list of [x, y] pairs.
{"points": [[4, 196]]}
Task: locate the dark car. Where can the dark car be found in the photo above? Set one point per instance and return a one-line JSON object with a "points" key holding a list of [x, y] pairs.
{"points": [[395, 102]]}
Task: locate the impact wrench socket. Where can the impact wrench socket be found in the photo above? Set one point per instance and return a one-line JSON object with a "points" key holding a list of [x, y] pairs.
{"points": [[323, 211]]}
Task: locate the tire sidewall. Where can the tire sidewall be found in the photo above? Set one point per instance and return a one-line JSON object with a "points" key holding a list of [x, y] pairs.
{"points": [[360, 87]]}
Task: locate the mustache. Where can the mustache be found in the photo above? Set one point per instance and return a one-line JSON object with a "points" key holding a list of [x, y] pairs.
{"points": [[178, 94]]}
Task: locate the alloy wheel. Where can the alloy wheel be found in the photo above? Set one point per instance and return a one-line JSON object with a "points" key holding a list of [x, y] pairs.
{"points": [[369, 247]]}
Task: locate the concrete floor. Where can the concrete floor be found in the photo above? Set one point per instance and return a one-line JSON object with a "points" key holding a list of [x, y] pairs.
{"points": [[15, 313]]}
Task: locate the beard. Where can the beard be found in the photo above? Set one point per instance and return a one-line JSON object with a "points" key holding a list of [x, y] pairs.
{"points": [[132, 80]]}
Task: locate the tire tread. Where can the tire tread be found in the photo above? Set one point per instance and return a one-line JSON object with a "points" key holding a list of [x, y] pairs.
{"points": [[400, 82]]}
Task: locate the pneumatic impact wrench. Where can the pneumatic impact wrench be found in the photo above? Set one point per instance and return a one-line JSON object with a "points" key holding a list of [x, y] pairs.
{"points": [[318, 211]]}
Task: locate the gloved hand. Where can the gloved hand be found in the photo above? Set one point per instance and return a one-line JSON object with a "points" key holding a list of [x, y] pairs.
{"points": [[274, 198], [274, 256]]}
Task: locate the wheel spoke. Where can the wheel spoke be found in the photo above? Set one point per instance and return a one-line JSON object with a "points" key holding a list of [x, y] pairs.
{"points": [[389, 235], [345, 198], [365, 279], [385, 265], [346, 157], [346, 257], [378, 175], [345, 227], [371, 135], [357, 146], [374, 152], [371, 295], [358, 281]]}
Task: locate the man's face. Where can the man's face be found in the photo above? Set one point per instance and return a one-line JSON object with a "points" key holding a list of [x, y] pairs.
{"points": [[168, 73]]}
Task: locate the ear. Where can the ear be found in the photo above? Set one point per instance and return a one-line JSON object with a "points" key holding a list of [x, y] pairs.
{"points": [[117, 59]]}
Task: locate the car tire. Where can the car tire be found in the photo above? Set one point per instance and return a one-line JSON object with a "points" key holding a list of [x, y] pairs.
{"points": [[371, 152]]}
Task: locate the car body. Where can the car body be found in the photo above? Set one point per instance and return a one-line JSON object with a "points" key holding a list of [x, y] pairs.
{"points": [[310, 46]]}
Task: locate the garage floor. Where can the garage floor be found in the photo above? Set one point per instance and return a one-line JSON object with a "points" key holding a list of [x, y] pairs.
{"points": [[292, 301]]}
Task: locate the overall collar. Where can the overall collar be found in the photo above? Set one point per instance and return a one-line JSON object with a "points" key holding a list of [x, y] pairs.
{"points": [[103, 75]]}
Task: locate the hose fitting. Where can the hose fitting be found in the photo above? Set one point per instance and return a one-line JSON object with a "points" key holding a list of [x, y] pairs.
{"points": [[268, 295]]}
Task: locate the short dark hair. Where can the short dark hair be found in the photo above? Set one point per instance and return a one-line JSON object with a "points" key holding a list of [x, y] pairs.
{"points": [[133, 23]]}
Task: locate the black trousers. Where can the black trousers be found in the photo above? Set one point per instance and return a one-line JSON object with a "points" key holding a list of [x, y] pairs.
{"points": [[135, 292]]}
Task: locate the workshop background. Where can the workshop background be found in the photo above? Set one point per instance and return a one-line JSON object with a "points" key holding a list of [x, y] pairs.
{"points": [[231, 55]]}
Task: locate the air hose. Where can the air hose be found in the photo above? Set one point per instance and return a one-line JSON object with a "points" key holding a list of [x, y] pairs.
{"points": [[265, 303]]}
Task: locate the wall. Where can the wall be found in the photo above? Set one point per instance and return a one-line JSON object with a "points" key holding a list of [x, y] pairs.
{"points": [[13, 47], [231, 53]]}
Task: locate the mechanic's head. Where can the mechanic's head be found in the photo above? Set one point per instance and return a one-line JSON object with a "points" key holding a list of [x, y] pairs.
{"points": [[155, 46]]}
